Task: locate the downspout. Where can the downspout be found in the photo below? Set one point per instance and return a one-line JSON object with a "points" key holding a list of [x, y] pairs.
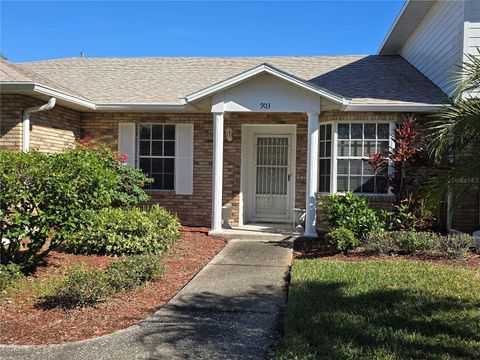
{"points": [[26, 121]]}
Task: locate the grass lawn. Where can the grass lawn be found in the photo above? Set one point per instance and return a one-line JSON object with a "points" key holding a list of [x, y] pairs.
{"points": [[381, 310]]}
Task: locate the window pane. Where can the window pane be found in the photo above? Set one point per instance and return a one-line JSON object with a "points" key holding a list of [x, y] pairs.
{"points": [[367, 168], [383, 169], [382, 184], [383, 131], [383, 147], [157, 148], [342, 183], [342, 167], [145, 132], [323, 165], [368, 185], [145, 165], [168, 180], [343, 131], [328, 167], [169, 148], [322, 185], [157, 132], [157, 165], [356, 183], [329, 132], [342, 148], [356, 167], [322, 132], [328, 149], [369, 131], [169, 132], [168, 165], [144, 147], [157, 182], [369, 147], [356, 131], [321, 149], [356, 148]]}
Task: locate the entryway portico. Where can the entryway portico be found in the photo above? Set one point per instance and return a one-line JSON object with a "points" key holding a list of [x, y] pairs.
{"points": [[268, 150]]}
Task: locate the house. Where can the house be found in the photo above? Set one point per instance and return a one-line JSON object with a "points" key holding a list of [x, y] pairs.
{"points": [[263, 135]]}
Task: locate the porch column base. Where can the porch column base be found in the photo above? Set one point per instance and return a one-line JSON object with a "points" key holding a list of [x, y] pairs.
{"points": [[312, 177]]}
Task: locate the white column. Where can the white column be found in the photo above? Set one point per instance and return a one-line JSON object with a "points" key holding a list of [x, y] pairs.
{"points": [[217, 183], [312, 176]]}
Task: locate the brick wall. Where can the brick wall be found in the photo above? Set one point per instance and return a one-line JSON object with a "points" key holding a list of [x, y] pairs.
{"points": [[51, 131], [191, 209]]}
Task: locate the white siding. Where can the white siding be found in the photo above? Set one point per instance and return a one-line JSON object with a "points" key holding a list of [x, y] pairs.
{"points": [[472, 26], [436, 46]]}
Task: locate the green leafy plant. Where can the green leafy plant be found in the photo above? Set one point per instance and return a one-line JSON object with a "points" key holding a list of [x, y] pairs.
{"points": [[46, 198], [134, 271], [81, 287], [342, 239], [407, 242], [130, 181], [352, 212], [8, 275], [118, 232]]}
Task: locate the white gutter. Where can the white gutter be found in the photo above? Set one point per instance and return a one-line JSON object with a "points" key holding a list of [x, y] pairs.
{"points": [[26, 121], [395, 107]]}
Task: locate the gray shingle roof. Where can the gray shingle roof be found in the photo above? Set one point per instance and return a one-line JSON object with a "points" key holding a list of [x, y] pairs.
{"points": [[364, 79]]}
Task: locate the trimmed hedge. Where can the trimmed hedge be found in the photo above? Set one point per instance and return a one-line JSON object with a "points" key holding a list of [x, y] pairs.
{"points": [[118, 232]]}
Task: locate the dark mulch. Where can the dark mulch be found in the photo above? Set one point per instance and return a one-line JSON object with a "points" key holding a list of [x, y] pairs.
{"points": [[308, 248], [22, 321]]}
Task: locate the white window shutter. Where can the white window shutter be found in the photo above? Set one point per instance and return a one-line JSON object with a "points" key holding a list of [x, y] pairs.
{"points": [[126, 141], [184, 159]]}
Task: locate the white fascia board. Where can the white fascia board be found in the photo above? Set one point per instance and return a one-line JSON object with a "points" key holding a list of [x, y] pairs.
{"points": [[42, 89], [394, 25], [428, 108], [139, 107], [261, 69]]}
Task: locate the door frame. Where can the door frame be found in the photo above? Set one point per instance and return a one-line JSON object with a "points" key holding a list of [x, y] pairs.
{"points": [[247, 190]]}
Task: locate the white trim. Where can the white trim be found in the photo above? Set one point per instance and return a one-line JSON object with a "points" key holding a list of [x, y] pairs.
{"points": [[264, 69], [312, 176], [183, 104], [26, 121], [395, 107], [217, 173]]}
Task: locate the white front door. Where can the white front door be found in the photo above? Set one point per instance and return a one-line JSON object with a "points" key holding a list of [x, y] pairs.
{"points": [[272, 177]]}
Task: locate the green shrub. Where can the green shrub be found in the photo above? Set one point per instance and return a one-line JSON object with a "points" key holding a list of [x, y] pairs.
{"points": [[402, 242], [134, 271], [118, 232], [9, 274], [353, 213], [130, 181], [81, 287], [454, 245], [406, 242], [45, 198], [342, 239]]}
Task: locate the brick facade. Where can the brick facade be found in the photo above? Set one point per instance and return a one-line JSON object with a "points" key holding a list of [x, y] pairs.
{"points": [[51, 131], [54, 130]]}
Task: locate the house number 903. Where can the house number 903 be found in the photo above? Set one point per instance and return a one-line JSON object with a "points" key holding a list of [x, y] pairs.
{"points": [[265, 105]]}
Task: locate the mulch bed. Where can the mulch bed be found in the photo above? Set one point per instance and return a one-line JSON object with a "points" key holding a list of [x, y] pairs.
{"points": [[23, 321], [307, 248]]}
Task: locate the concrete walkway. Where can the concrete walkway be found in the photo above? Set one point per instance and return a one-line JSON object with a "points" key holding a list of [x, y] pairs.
{"points": [[230, 310]]}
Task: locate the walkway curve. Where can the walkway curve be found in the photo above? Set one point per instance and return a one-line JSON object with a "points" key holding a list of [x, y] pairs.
{"points": [[229, 310]]}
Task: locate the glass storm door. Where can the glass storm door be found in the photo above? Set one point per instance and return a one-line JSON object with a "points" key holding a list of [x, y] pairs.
{"points": [[272, 177]]}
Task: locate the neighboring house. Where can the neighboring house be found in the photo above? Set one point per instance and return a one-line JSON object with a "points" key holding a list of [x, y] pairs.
{"points": [[263, 135]]}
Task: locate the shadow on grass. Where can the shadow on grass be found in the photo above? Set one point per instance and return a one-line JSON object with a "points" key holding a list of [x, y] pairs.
{"points": [[324, 320]]}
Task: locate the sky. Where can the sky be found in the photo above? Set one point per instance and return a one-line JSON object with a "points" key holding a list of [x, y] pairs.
{"points": [[40, 30]]}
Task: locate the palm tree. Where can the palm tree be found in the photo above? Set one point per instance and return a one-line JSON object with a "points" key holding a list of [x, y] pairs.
{"points": [[454, 137]]}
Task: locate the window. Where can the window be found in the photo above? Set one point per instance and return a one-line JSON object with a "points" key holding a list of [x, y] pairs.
{"points": [[156, 149], [325, 158], [355, 142]]}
